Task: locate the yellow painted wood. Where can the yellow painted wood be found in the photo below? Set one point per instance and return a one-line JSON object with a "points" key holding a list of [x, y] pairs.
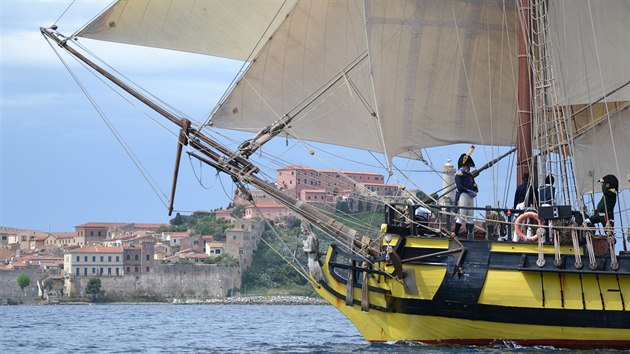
{"points": [[624, 285], [572, 291], [519, 247], [551, 286], [434, 242], [592, 296], [429, 278], [512, 288], [610, 291], [389, 326]]}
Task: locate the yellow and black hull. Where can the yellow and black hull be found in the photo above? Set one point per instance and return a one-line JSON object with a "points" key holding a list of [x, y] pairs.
{"points": [[481, 293]]}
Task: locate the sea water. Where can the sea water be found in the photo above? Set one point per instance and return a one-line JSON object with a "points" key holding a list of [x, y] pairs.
{"points": [[165, 328]]}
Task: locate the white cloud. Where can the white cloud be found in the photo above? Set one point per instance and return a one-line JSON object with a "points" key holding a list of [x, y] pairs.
{"points": [[39, 99]]}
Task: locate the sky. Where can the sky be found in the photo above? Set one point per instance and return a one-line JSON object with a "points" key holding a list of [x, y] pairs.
{"points": [[61, 166]]}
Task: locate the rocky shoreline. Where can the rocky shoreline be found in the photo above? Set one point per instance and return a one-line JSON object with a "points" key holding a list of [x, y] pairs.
{"points": [[254, 300]]}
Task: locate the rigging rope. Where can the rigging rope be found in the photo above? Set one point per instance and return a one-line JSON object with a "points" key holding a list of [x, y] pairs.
{"points": [[64, 12], [113, 130]]}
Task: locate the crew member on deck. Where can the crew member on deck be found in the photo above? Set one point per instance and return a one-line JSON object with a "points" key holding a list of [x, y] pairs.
{"points": [[466, 192], [604, 213], [547, 193], [524, 195]]}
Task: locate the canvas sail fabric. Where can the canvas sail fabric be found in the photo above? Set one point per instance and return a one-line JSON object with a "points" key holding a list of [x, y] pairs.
{"points": [[224, 28], [394, 76], [436, 73], [386, 76], [591, 49], [590, 43], [595, 157]]}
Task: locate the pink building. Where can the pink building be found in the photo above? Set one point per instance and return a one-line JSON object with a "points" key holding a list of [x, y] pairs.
{"points": [[330, 183], [316, 195], [266, 211], [224, 214]]}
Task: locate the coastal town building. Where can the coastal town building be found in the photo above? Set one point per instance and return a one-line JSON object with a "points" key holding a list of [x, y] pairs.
{"points": [[139, 257], [266, 211], [127, 253], [323, 183], [96, 232], [59, 240], [322, 187], [94, 261], [174, 239], [225, 214]]}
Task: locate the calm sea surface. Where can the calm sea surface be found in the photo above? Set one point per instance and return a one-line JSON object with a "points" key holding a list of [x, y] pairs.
{"points": [[163, 328]]}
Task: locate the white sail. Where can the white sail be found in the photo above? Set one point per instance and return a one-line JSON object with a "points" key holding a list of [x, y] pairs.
{"points": [[436, 73], [233, 29], [591, 49], [603, 150], [396, 76], [399, 75], [590, 43]]}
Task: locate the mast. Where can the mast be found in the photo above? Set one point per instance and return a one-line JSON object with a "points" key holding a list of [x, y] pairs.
{"points": [[524, 131]]}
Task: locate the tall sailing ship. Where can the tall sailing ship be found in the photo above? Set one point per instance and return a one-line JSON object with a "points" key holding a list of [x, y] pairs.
{"points": [[549, 78]]}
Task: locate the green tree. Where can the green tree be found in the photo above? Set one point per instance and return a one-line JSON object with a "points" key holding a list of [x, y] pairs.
{"points": [[177, 220], [343, 207], [223, 259], [48, 286], [238, 211], [93, 288], [23, 281]]}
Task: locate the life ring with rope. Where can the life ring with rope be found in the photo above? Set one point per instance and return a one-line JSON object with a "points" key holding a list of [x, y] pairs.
{"points": [[519, 223]]}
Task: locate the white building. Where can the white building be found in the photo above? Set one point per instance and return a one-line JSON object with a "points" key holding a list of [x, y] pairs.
{"points": [[94, 261]]}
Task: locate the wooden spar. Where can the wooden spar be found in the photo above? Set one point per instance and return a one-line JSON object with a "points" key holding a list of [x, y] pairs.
{"points": [[524, 130], [183, 140], [233, 164], [161, 111], [63, 44]]}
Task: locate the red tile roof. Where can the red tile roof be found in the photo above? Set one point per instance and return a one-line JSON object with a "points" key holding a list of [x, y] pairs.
{"points": [[178, 234], [103, 224], [6, 253], [59, 235], [148, 226], [269, 206]]}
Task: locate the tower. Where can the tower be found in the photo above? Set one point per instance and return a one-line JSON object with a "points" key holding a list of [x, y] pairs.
{"points": [[448, 179]]}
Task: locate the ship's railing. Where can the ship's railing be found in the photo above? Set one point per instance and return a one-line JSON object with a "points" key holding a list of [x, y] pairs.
{"points": [[402, 219]]}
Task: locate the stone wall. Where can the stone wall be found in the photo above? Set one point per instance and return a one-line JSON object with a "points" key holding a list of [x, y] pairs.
{"points": [[9, 288], [168, 280]]}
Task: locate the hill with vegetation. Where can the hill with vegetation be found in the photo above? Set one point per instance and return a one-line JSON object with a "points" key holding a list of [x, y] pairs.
{"points": [[275, 264]]}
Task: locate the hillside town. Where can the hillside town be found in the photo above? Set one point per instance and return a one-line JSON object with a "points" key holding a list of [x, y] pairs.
{"points": [[143, 259]]}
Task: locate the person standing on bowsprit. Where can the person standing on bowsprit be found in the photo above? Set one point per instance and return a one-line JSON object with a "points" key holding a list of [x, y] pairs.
{"points": [[465, 193]]}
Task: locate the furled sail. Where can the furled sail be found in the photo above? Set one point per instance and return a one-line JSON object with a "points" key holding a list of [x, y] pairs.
{"points": [[590, 43]]}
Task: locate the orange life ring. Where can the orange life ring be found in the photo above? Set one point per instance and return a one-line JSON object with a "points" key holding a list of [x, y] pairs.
{"points": [[519, 223]]}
